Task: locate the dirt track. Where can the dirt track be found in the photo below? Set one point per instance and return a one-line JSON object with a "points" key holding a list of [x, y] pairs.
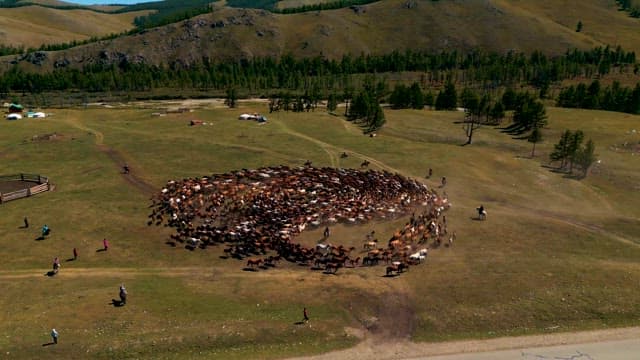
{"points": [[372, 349]]}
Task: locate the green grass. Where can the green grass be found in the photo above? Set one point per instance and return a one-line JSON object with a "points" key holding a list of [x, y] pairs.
{"points": [[548, 237]]}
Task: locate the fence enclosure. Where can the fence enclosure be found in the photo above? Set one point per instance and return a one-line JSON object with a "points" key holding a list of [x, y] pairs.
{"points": [[42, 186]]}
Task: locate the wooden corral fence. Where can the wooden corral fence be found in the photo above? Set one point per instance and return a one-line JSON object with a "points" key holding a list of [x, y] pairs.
{"points": [[42, 181]]}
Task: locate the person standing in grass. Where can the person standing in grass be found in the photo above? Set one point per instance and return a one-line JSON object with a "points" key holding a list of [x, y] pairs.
{"points": [[54, 336], [105, 244], [26, 222], [123, 295]]}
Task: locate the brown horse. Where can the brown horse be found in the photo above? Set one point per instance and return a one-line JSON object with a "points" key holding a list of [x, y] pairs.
{"points": [[397, 268], [365, 164], [254, 262]]}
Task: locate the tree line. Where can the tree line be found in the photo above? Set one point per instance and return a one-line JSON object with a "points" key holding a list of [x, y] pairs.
{"points": [[490, 70], [614, 97]]}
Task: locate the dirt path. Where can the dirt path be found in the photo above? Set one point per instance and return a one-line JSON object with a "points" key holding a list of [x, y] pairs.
{"points": [[116, 157], [331, 149], [408, 350]]}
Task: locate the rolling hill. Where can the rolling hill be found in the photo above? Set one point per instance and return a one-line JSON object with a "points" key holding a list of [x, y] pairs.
{"points": [[230, 33], [32, 26]]}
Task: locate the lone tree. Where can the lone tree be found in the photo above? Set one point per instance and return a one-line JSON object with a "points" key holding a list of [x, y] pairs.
{"points": [[586, 157], [232, 96], [535, 137]]}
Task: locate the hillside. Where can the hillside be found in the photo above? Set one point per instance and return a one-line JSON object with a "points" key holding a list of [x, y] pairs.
{"points": [[32, 26], [380, 27]]}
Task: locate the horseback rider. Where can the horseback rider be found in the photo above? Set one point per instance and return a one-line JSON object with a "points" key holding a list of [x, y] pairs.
{"points": [[481, 211], [125, 168]]}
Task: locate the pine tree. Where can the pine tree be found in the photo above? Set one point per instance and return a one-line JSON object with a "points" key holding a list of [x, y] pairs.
{"points": [[586, 157], [232, 96], [560, 150], [535, 137], [448, 98], [332, 103]]}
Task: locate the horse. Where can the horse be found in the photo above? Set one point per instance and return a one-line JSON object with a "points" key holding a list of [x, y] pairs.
{"points": [[307, 163], [365, 164], [344, 155], [398, 268], [254, 262], [482, 215]]}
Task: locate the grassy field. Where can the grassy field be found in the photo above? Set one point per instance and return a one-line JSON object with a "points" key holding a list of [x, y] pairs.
{"points": [[556, 254]]}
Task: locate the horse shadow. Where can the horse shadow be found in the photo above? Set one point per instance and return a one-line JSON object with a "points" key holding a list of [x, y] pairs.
{"points": [[171, 243], [299, 322], [249, 269], [48, 344], [40, 238], [476, 218], [101, 250], [70, 259], [50, 273], [390, 275], [116, 303]]}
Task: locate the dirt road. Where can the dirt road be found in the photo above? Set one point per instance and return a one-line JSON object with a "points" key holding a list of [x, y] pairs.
{"points": [[612, 344]]}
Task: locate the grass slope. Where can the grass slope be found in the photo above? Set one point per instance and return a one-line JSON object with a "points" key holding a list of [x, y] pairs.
{"points": [[33, 26], [556, 254]]}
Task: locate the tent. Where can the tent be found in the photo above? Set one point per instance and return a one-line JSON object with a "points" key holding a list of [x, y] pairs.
{"points": [[15, 108], [14, 116], [37, 114]]}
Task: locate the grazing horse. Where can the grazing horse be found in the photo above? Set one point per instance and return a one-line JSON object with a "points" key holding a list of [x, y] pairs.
{"points": [[254, 262], [365, 164], [398, 268]]}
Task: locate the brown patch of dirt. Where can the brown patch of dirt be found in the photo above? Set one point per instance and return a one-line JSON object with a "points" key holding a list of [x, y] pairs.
{"points": [[15, 185]]}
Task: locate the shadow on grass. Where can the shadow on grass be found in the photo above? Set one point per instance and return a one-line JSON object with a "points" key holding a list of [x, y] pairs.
{"points": [[299, 322], [101, 250], [48, 344], [50, 273], [171, 243], [70, 259], [40, 238], [249, 269]]}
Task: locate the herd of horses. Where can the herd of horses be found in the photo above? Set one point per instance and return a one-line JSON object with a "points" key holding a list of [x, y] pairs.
{"points": [[257, 213]]}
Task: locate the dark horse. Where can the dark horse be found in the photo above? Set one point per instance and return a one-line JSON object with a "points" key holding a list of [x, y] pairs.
{"points": [[365, 163]]}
